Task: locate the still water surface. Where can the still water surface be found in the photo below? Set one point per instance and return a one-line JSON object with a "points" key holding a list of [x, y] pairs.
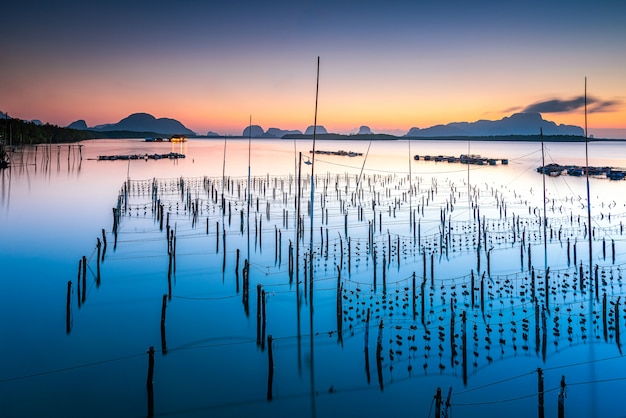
{"points": [[419, 245]]}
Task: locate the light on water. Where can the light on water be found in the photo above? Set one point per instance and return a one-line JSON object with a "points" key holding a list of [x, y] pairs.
{"points": [[444, 277]]}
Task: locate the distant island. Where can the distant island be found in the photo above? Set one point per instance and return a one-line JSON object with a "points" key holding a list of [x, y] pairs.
{"points": [[517, 127], [139, 122]]}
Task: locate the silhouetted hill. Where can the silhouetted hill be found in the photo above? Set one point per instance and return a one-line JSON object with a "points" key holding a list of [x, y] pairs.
{"points": [[144, 122], [357, 137], [254, 131], [81, 125], [516, 124], [279, 133], [319, 131]]}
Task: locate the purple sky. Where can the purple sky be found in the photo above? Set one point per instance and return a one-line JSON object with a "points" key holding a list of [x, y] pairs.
{"points": [[389, 65]]}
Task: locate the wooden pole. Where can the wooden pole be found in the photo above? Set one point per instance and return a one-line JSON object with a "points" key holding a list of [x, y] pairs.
{"points": [[68, 308], [104, 240], [163, 340], [80, 268], [540, 393], [413, 299], [150, 381], [379, 355], [561, 406], [339, 307], [366, 349], [99, 247], [617, 340], [604, 328], [438, 403], [237, 270], [246, 287], [264, 325], [270, 367], [258, 314], [464, 342], [84, 278]]}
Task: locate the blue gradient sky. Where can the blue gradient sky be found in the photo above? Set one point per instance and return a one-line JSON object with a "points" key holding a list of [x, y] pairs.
{"points": [[391, 66]]}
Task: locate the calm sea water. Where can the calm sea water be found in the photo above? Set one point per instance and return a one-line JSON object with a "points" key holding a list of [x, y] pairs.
{"points": [[417, 244]]}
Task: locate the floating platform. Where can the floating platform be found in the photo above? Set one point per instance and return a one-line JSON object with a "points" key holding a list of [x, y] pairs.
{"points": [[555, 170], [463, 159], [341, 153], [171, 156]]}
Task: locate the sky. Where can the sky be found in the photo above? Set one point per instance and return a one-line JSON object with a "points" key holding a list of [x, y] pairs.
{"points": [[389, 65]]}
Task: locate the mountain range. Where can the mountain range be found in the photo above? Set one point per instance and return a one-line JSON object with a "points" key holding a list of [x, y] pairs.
{"points": [[516, 124], [139, 122], [528, 123]]}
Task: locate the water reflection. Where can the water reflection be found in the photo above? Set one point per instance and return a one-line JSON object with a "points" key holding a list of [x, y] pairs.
{"points": [[443, 271]]}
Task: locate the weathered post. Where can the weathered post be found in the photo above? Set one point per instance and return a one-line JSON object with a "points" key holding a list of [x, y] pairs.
{"points": [[80, 268], [104, 240], [464, 342], [150, 381], [540, 393], [617, 340], [561, 406], [68, 308], [263, 302], [163, 341], [339, 307], [413, 298], [604, 328], [258, 315], [84, 278], [99, 247], [237, 270], [366, 342], [270, 368], [379, 355]]}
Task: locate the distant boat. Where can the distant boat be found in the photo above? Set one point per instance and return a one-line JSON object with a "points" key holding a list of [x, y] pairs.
{"points": [[178, 138]]}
